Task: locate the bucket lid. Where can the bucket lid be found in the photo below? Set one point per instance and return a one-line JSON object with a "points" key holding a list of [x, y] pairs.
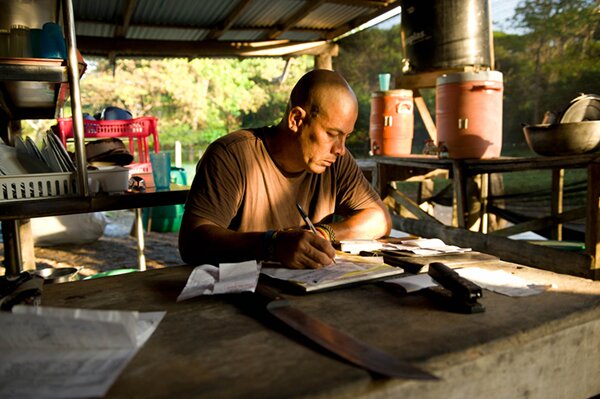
{"points": [[396, 92], [495, 76]]}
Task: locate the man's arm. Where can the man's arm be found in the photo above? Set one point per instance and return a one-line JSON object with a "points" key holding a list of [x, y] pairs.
{"points": [[202, 241], [372, 222]]}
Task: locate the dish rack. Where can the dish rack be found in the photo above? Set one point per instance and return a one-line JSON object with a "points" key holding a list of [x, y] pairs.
{"points": [[134, 132], [37, 185]]}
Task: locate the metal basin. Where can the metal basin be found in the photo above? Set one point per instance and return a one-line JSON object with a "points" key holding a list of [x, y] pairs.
{"points": [[58, 275], [563, 138]]}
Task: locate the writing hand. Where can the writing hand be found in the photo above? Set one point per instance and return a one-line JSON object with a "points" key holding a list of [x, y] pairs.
{"points": [[301, 249]]}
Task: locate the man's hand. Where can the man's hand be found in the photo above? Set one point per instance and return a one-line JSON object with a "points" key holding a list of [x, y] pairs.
{"points": [[301, 249]]}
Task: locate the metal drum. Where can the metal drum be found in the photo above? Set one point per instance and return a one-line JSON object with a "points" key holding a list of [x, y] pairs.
{"points": [[445, 34]]}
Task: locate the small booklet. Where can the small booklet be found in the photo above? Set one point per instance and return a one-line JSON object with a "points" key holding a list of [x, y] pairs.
{"points": [[348, 270]]}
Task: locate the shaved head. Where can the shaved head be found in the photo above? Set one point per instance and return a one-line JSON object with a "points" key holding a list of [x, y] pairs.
{"points": [[317, 89], [321, 113]]}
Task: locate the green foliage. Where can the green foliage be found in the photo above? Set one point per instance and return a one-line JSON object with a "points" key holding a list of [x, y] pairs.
{"points": [[551, 63], [196, 101], [362, 57]]}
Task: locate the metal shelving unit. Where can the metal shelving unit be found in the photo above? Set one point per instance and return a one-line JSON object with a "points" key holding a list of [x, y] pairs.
{"points": [[37, 89]]}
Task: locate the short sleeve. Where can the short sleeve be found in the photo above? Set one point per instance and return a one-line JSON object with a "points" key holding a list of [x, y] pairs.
{"points": [[216, 191]]}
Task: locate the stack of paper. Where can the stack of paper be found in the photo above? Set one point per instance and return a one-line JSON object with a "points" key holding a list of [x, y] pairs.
{"points": [[68, 353]]}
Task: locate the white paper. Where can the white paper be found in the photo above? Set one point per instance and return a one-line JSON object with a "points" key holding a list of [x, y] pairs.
{"points": [[414, 283], [502, 282], [425, 247], [355, 246], [227, 278], [345, 266], [68, 353]]}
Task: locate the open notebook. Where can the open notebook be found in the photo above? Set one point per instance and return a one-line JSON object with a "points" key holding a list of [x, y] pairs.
{"points": [[348, 270]]}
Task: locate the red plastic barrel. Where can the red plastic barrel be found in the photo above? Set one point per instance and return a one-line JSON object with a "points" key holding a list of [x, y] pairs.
{"points": [[469, 114], [392, 122]]}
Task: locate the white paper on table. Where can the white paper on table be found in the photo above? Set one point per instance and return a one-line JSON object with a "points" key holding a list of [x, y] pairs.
{"points": [[503, 282], [425, 246], [225, 279], [355, 246], [414, 283], [344, 265], [68, 353]]}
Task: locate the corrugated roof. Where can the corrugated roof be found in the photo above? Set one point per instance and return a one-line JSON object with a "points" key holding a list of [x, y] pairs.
{"points": [[194, 28]]}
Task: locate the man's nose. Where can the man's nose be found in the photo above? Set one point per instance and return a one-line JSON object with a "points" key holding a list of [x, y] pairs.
{"points": [[339, 147]]}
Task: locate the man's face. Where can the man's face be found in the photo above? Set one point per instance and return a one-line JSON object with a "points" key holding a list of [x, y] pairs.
{"points": [[323, 137]]}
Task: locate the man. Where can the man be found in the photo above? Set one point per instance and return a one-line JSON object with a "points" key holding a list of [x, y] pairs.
{"points": [[242, 203]]}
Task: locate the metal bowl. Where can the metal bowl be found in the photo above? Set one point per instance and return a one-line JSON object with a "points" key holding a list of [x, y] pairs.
{"points": [[563, 138], [58, 275]]}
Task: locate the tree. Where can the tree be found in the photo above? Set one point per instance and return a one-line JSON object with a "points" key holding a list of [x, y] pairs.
{"points": [[362, 57], [196, 101], [561, 51]]}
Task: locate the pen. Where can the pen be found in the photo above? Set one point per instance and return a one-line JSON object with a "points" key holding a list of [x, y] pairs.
{"points": [[308, 222], [306, 219]]}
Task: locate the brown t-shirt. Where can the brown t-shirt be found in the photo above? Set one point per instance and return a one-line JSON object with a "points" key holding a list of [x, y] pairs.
{"points": [[238, 186]]}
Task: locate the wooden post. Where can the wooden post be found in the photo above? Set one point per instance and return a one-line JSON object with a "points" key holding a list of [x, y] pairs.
{"points": [[460, 193], [323, 61], [483, 213], [592, 223], [556, 204]]}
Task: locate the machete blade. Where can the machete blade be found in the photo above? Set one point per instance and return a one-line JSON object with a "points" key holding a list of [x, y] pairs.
{"points": [[343, 345]]}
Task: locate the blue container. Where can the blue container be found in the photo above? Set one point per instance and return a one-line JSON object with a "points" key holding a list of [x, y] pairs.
{"points": [[52, 42], [166, 219]]}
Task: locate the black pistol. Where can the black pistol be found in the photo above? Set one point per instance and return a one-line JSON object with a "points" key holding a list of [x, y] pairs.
{"points": [[457, 293]]}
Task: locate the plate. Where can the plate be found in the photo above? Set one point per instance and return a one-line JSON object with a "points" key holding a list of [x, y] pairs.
{"points": [[61, 153], [583, 108], [33, 148], [50, 156]]}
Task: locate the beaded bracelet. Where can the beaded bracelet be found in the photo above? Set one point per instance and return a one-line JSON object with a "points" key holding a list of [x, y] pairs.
{"points": [[327, 230]]}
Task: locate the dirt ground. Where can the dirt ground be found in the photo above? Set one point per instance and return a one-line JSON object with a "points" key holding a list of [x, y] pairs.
{"points": [[116, 249]]}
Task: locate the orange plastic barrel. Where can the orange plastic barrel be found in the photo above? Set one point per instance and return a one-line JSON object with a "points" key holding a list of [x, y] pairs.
{"points": [[392, 122], [469, 114]]}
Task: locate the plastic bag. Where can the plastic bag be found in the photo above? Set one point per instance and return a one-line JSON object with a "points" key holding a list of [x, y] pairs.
{"points": [[68, 229]]}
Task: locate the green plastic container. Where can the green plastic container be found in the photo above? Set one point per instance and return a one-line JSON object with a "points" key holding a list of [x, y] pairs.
{"points": [[166, 219]]}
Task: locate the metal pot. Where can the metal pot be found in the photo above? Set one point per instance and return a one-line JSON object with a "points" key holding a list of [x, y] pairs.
{"points": [[563, 138], [53, 275]]}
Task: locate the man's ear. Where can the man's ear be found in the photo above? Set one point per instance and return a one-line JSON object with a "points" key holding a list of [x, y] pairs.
{"points": [[296, 118]]}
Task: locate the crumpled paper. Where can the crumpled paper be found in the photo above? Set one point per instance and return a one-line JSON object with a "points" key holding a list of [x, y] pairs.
{"points": [[226, 279]]}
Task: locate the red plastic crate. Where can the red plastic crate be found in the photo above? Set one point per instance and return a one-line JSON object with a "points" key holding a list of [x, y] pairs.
{"points": [[134, 131]]}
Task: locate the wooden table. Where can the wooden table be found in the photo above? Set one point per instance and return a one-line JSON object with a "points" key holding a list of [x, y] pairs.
{"points": [[218, 347], [401, 168]]}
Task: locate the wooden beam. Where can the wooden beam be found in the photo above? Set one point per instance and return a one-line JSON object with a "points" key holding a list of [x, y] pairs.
{"points": [[542, 223], [172, 48], [356, 22], [233, 16], [121, 30], [425, 115], [321, 32], [566, 262], [363, 3], [284, 25], [410, 205]]}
